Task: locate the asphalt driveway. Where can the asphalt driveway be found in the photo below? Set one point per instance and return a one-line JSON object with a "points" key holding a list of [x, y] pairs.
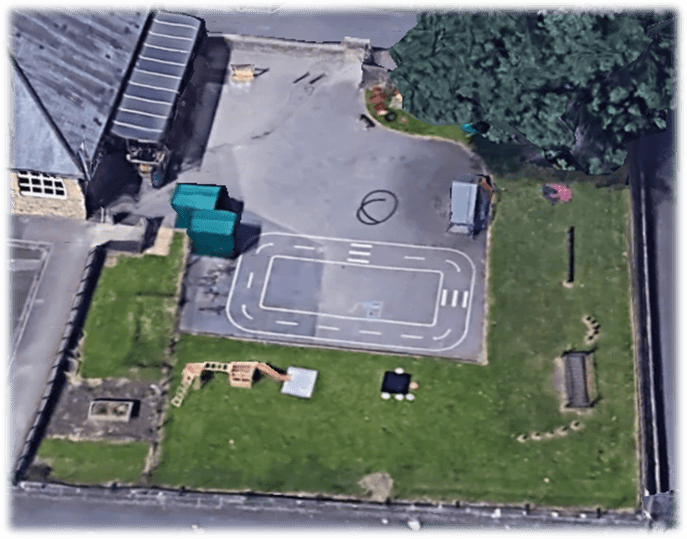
{"points": [[291, 146]]}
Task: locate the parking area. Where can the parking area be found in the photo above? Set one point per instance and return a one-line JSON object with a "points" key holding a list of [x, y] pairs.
{"points": [[292, 148]]}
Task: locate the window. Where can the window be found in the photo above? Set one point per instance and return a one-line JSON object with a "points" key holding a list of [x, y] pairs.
{"points": [[41, 185]]}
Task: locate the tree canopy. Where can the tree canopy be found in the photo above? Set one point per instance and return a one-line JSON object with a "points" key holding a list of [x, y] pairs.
{"points": [[577, 86]]}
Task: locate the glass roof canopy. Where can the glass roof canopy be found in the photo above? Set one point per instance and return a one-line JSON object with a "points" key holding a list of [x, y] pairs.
{"points": [[151, 93]]}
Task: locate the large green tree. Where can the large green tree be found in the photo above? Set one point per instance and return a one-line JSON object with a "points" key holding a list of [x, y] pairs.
{"points": [[578, 86]]}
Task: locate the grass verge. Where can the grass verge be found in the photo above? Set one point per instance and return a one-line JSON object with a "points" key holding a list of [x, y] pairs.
{"points": [[406, 123], [129, 323], [92, 462]]}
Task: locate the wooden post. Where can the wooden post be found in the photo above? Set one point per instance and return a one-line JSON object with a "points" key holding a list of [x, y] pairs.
{"points": [[571, 254]]}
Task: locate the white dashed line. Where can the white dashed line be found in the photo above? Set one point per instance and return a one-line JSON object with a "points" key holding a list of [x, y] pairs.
{"points": [[250, 280], [263, 246], [411, 336], [286, 323], [245, 312], [465, 299], [414, 257], [361, 253], [362, 245], [330, 328], [442, 336], [454, 265], [454, 299], [443, 297], [308, 247], [370, 332], [357, 261]]}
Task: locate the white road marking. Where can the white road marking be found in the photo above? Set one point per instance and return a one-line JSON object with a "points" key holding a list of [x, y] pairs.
{"points": [[443, 297], [454, 299], [308, 247], [465, 299], [363, 245], [356, 342], [442, 336], [286, 323], [250, 280], [262, 305], [357, 260], [454, 265], [330, 328], [411, 336], [369, 332], [245, 312], [361, 253], [414, 257], [263, 246]]}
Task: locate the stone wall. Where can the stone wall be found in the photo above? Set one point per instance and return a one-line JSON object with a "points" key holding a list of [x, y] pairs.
{"points": [[74, 206]]}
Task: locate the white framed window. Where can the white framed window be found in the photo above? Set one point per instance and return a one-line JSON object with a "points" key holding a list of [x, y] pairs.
{"points": [[38, 184]]}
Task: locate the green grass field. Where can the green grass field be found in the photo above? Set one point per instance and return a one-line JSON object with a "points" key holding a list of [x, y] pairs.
{"points": [[93, 462], [414, 126], [129, 323], [457, 440]]}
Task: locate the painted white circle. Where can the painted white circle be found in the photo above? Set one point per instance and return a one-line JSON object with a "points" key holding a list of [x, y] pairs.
{"points": [[385, 396]]}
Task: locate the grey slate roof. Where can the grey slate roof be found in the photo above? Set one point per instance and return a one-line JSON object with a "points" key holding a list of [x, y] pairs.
{"points": [[76, 62], [34, 142], [151, 93]]}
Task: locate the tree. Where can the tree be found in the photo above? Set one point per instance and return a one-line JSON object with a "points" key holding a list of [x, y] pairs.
{"points": [[577, 86]]}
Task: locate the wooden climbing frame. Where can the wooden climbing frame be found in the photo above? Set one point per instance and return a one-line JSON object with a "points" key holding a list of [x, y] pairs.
{"points": [[240, 375]]}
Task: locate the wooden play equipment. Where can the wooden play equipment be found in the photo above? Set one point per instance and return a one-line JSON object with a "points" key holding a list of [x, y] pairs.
{"points": [[240, 375]]}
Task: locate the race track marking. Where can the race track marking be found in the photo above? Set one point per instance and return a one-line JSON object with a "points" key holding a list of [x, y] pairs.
{"points": [[465, 299], [361, 253], [286, 323], [354, 243], [411, 336], [443, 297], [357, 261], [367, 332], [245, 312], [414, 257], [250, 280], [442, 336], [263, 246], [308, 247], [454, 299], [454, 265], [330, 328]]}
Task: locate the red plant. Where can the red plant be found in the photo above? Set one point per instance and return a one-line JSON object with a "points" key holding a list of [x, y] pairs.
{"points": [[377, 90], [377, 98], [379, 108]]}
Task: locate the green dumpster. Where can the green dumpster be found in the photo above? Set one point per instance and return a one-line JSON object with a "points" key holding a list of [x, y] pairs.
{"points": [[188, 197], [212, 232]]}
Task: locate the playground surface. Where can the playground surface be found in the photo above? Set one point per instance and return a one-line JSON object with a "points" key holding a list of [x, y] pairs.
{"points": [[297, 155], [380, 295]]}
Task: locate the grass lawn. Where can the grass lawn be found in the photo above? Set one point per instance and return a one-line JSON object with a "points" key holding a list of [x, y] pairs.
{"points": [[129, 323], [414, 126], [457, 440], [93, 462]]}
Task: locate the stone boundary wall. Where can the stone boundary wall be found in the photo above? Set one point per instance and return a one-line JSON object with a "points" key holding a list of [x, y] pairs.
{"points": [[61, 362], [350, 48]]}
